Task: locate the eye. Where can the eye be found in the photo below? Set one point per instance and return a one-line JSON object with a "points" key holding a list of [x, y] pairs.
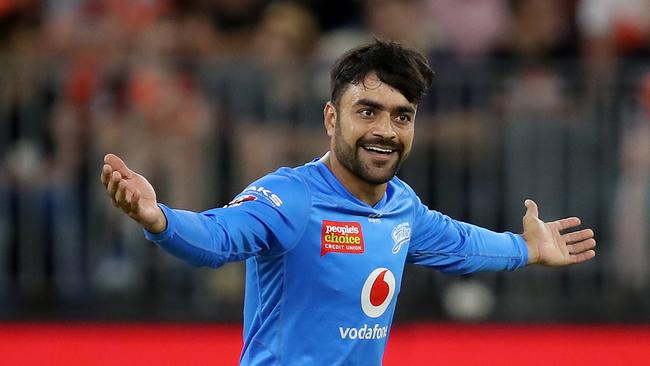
{"points": [[367, 113], [403, 118]]}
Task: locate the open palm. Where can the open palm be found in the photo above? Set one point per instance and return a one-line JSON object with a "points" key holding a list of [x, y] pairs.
{"points": [[548, 245], [132, 193]]}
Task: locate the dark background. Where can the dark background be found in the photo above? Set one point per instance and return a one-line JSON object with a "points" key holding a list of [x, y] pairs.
{"points": [[542, 99]]}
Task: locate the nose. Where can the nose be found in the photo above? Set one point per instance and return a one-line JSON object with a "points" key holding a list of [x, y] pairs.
{"points": [[384, 128]]}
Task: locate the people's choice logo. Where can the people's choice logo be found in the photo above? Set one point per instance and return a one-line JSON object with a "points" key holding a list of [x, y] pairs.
{"points": [[377, 292], [341, 237]]}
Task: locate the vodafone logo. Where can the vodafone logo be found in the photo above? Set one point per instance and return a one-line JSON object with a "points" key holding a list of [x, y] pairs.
{"points": [[377, 292]]}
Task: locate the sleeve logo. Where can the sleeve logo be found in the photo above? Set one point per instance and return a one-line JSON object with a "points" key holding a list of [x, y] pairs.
{"points": [[341, 237], [239, 200], [266, 193]]}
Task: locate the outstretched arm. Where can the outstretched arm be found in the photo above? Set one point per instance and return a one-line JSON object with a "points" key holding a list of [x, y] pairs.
{"points": [[257, 222], [548, 245], [132, 193]]}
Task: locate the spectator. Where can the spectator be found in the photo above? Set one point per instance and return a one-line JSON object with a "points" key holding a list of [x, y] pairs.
{"points": [[282, 52], [473, 27], [632, 209]]}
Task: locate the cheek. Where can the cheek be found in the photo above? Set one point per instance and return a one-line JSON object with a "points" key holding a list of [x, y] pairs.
{"points": [[351, 132], [354, 134], [406, 136]]}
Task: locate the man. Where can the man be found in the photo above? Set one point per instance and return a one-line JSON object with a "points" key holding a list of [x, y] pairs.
{"points": [[325, 243]]}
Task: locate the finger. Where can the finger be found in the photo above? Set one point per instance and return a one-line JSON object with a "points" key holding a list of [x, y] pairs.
{"points": [[128, 196], [128, 199], [118, 164], [568, 222], [531, 208], [106, 174], [112, 183], [120, 194], [577, 236], [582, 246], [583, 257], [123, 196], [532, 213], [135, 202]]}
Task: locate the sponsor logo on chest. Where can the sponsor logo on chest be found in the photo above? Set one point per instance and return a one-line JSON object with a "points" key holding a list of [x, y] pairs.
{"points": [[341, 237], [376, 296], [401, 236]]}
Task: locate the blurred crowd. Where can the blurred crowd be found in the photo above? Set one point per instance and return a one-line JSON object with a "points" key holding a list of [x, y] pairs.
{"points": [[205, 96]]}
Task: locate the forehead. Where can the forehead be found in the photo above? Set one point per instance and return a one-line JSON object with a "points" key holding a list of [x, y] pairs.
{"points": [[374, 89]]}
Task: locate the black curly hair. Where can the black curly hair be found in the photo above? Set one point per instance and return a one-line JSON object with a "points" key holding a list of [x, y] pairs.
{"points": [[404, 69]]}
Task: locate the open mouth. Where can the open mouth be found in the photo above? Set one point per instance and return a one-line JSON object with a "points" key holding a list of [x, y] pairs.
{"points": [[378, 149]]}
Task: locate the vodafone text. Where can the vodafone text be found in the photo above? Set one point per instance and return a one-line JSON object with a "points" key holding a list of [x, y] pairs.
{"points": [[365, 332]]}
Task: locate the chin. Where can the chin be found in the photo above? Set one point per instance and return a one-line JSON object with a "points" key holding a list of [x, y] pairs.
{"points": [[378, 178], [381, 175]]}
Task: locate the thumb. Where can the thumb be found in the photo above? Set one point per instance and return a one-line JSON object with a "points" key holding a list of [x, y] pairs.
{"points": [[118, 164], [531, 209]]}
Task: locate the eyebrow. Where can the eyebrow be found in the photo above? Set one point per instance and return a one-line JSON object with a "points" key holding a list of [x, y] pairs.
{"points": [[377, 105]]}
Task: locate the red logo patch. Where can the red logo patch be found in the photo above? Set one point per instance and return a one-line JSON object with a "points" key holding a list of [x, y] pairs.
{"points": [[341, 237], [238, 201]]}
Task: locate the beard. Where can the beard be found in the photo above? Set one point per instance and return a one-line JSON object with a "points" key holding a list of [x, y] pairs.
{"points": [[366, 169]]}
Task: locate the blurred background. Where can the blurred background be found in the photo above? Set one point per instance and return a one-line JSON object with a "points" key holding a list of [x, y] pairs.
{"points": [[546, 99]]}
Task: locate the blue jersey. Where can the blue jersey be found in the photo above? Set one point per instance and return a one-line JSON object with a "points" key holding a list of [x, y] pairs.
{"points": [[323, 269]]}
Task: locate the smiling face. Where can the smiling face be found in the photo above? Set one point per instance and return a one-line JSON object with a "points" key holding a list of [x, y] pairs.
{"points": [[371, 130]]}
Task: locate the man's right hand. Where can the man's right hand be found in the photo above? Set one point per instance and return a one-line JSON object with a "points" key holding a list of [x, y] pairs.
{"points": [[132, 193]]}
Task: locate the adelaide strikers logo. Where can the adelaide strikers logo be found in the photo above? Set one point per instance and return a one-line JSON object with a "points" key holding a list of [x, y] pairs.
{"points": [[401, 235], [377, 292]]}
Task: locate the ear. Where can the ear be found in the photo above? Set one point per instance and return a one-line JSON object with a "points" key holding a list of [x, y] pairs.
{"points": [[329, 118]]}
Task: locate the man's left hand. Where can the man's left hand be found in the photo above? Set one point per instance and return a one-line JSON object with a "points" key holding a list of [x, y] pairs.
{"points": [[547, 244]]}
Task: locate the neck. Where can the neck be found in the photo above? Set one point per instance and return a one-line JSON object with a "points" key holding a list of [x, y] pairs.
{"points": [[367, 192]]}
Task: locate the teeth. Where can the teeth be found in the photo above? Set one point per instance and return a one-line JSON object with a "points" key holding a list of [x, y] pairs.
{"points": [[378, 149]]}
